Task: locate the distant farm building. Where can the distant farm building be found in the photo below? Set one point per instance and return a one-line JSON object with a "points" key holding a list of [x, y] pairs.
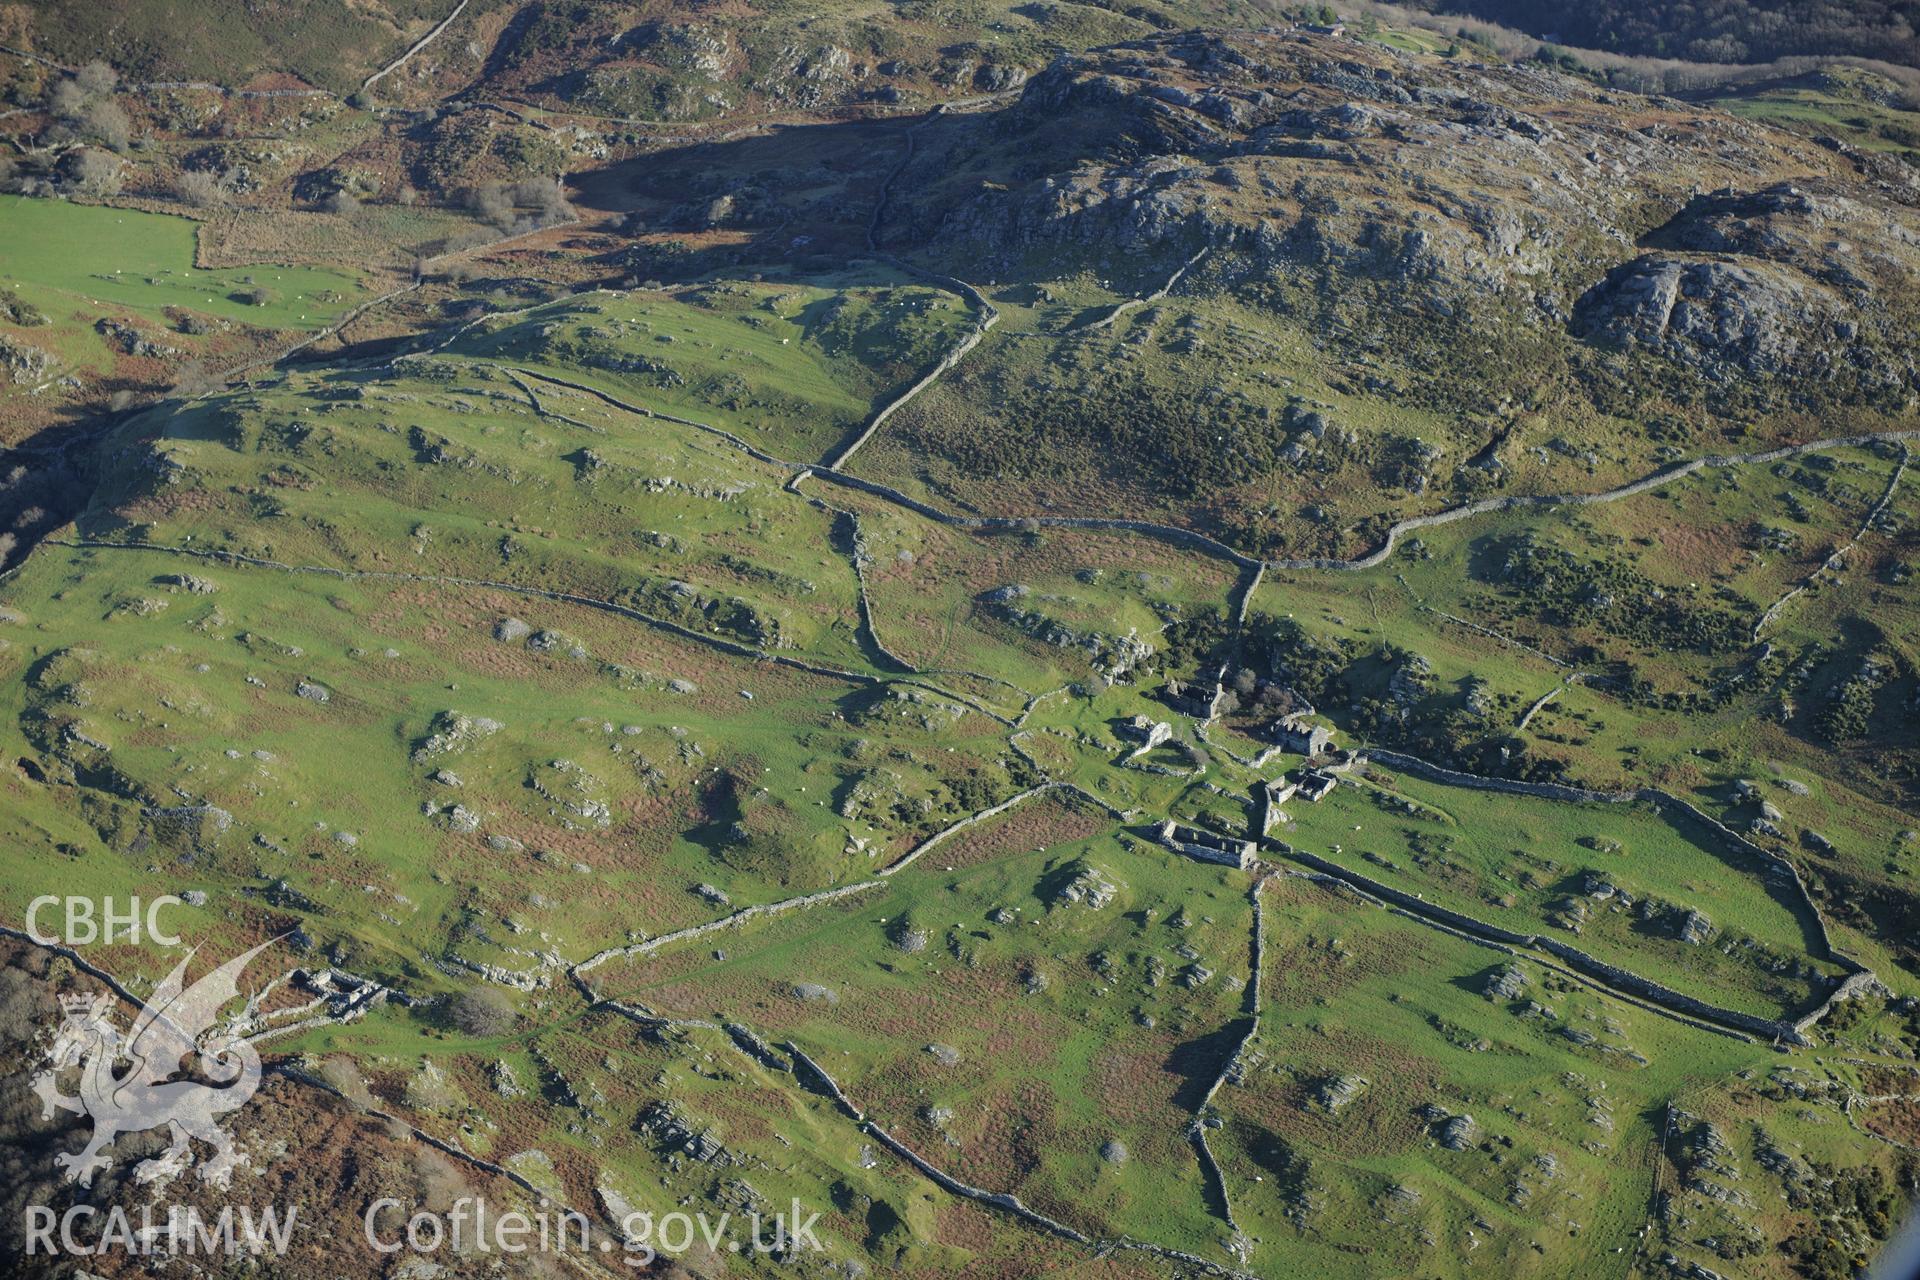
{"points": [[1298, 733], [1207, 846], [1200, 699]]}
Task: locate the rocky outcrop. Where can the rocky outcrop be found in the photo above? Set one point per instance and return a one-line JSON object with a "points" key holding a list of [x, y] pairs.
{"points": [[1331, 153], [1723, 319], [1797, 224], [1786, 278], [1319, 165], [24, 364], [1112, 656]]}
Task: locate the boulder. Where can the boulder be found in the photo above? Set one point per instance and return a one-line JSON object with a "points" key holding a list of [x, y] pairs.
{"points": [[1457, 1133], [1506, 983], [1722, 319], [1338, 1091]]}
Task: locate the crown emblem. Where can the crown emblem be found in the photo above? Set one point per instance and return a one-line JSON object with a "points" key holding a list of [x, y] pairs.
{"points": [[73, 1005]]}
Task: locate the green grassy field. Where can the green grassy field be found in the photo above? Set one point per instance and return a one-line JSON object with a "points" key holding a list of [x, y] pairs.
{"points": [[458, 678], [1849, 103], [94, 259], [1554, 1176], [925, 1012], [1530, 865], [798, 370], [537, 781]]}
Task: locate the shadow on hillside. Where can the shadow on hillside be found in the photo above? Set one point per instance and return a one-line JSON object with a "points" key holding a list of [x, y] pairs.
{"points": [[799, 197], [1198, 1062]]}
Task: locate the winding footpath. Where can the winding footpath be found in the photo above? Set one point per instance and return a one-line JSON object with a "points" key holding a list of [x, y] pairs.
{"points": [[1647, 483]]}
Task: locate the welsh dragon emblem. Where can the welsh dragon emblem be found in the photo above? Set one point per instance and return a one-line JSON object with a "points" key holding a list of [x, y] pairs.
{"points": [[128, 1084]]}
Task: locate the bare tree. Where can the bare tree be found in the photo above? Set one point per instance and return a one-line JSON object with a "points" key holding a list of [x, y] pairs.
{"points": [[96, 78], [545, 198], [494, 203], [201, 188], [521, 206], [108, 122], [481, 1011], [66, 98], [83, 107], [90, 171]]}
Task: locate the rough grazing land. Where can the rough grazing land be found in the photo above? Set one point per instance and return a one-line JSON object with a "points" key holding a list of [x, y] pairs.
{"points": [[1093, 649]]}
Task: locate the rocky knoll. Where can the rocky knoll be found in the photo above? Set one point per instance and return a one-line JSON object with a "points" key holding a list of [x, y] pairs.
{"points": [[1787, 277], [1623, 221], [1720, 317]]}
